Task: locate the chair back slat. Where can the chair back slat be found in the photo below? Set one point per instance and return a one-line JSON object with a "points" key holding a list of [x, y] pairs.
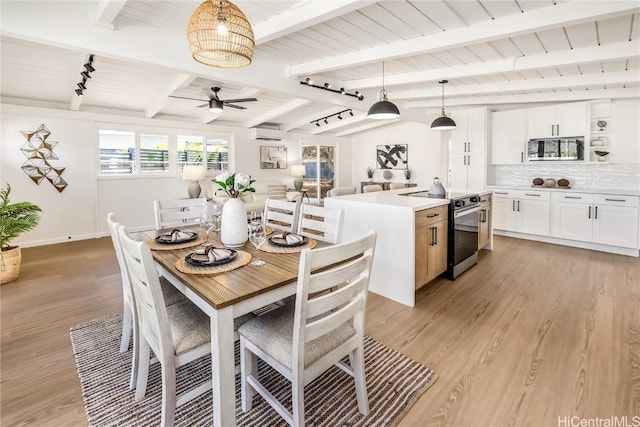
{"points": [[335, 277], [177, 213], [334, 319], [329, 301], [152, 312], [321, 223]]}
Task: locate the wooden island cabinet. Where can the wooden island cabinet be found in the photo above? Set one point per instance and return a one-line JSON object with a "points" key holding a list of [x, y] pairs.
{"points": [[431, 244]]}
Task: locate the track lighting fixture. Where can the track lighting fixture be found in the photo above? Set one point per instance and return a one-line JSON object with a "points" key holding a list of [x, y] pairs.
{"points": [[327, 86], [326, 119], [88, 68], [443, 122]]}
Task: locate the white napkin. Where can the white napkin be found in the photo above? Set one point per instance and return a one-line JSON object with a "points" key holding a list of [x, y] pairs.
{"points": [[210, 254], [176, 236], [290, 238]]}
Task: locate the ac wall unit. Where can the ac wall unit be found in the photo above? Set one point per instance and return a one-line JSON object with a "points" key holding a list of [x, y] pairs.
{"points": [[261, 134]]}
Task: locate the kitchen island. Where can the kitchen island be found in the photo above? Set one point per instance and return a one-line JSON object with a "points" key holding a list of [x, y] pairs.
{"points": [[398, 221]]}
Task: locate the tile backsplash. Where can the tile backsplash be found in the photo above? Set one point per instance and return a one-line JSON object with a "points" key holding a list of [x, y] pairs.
{"points": [[581, 176]]}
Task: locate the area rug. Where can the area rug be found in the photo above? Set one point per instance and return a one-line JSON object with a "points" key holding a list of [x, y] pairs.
{"points": [[394, 383]]}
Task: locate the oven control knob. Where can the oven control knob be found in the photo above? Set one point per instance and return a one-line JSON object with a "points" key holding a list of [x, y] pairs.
{"points": [[474, 199], [459, 203]]}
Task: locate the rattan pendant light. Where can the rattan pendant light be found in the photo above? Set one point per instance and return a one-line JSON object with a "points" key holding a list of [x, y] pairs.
{"points": [[220, 35]]}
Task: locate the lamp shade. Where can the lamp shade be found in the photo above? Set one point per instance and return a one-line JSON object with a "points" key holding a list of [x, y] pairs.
{"points": [[193, 172], [298, 170], [383, 110], [220, 35], [443, 123]]}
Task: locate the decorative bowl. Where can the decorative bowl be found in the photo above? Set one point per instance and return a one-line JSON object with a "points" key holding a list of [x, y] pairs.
{"points": [[562, 182], [387, 174], [602, 124], [549, 182], [538, 181]]}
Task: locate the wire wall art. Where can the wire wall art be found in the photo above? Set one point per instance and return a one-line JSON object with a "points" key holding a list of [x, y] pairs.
{"points": [[392, 156], [39, 152]]}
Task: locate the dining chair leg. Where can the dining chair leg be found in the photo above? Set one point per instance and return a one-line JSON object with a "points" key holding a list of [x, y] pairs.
{"points": [[143, 368], [168, 394], [127, 323], [136, 354], [356, 359], [297, 386], [249, 367]]}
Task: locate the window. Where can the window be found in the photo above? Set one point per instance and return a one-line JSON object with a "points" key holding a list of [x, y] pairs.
{"points": [[117, 152], [132, 153], [154, 153], [319, 161]]}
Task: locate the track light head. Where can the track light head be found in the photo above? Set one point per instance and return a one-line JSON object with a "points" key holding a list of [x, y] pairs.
{"points": [[361, 97], [89, 67], [82, 86], [351, 113], [309, 81], [326, 122], [79, 92], [318, 124], [342, 91], [358, 93], [327, 85], [339, 117], [85, 75]]}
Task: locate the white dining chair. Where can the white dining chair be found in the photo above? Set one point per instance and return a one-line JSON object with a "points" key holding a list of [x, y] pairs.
{"points": [[371, 188], [320, 223], [396, 185], [178, 212], [177, 334], [129, 314], [281, 214], [326, 323], [341, 191]]}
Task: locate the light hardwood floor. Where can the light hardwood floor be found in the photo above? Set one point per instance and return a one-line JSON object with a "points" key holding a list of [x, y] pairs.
{"points": [[534, 332]]}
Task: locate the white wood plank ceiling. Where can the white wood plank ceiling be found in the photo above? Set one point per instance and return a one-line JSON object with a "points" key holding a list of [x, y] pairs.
{"points": [[500, 53]]}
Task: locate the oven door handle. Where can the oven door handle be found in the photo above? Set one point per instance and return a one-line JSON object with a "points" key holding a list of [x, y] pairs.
{"points": [[458, 214]]}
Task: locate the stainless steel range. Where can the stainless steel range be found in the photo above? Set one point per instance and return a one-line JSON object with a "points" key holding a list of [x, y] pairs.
{"points": [[462, 250]]}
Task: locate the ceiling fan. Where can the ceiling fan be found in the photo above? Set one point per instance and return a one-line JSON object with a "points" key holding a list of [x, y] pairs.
{"points": [[215, 104]]}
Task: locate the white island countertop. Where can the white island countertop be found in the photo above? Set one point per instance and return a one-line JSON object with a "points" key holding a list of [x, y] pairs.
{"points": [[393, 198]]}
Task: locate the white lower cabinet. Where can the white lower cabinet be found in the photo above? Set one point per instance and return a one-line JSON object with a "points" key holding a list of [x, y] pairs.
{"points": [[604, 219], [521, 211]]}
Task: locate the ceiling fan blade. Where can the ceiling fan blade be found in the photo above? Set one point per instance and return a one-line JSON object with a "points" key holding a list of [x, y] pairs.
{"points": [[235, 106], [240, 100], [203, 105], [192, 99]]}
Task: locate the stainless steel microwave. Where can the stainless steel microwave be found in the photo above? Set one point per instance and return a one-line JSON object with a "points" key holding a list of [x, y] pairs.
{"points": [[541, 149]]}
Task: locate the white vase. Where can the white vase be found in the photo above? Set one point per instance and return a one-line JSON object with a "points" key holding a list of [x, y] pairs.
{"points": [[234, 230]]}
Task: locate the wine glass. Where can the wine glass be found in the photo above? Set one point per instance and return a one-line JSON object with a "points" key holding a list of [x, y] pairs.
{"points": [[207, 222], [257, 236], [216, 211]]}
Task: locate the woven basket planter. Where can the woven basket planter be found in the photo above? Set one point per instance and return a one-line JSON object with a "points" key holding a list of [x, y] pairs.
{"points": [[10, 265]]}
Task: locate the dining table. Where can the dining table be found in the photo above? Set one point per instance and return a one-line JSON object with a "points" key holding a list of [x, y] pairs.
{"points": [[226, 295]]}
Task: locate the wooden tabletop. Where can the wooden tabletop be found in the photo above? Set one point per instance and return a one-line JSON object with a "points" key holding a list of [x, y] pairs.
{"points": [[224, 289]]}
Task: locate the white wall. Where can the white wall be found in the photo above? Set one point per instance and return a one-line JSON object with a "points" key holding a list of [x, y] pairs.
{"points": [[79, 212], [425, 152]]}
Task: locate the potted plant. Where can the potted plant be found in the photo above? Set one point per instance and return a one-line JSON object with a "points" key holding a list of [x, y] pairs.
{"points": [[407, 174], [15, 219], [602, 155], [370, 172]]}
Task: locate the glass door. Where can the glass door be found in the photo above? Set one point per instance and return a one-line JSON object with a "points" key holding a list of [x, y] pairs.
{"points": [[319, 162]]}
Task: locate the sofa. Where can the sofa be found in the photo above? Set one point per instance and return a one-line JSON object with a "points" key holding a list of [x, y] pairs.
{"points": [[255, 201]]}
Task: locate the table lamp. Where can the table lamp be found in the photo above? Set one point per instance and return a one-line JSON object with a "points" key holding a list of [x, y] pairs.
{"points": [[298, 171], [193, 173]]}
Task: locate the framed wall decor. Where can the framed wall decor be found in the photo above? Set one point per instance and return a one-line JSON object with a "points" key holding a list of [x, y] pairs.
{"points": [[392, 156], [273, 157]]}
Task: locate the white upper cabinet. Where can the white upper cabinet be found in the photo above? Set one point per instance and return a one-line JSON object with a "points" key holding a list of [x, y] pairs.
{"points": [[508, 137], [562, 120], [467, 155]]}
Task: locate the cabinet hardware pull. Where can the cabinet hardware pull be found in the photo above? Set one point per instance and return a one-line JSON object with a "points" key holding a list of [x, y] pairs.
{"points": [[573, 197], [518, 205], [433, 239], [596, 215], [469, 160], [468, 147], [501, 192], [513, 205], [484, 215], [432, 215], [557, 130], [553, 130], [615, 200], [522, 157], [589, 212], [435, 234], [529, 194]]}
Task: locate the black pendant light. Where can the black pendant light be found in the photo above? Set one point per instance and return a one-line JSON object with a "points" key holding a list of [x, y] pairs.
{"points": [[443, 122], [383, 109]]}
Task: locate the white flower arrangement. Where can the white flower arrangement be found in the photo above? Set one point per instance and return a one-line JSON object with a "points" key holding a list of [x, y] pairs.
{"points": [[235, 184]]}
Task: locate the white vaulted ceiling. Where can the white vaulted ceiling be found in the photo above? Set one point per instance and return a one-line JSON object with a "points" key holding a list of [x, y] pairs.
{"points": [[499, 53]]}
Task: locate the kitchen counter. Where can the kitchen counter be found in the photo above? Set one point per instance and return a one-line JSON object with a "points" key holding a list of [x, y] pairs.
{"points": [[572, 190], [392, 217]]}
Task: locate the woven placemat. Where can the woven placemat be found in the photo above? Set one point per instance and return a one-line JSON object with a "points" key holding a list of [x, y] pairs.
{"points": [[275, 249], [241, 259], [155, 246]]}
